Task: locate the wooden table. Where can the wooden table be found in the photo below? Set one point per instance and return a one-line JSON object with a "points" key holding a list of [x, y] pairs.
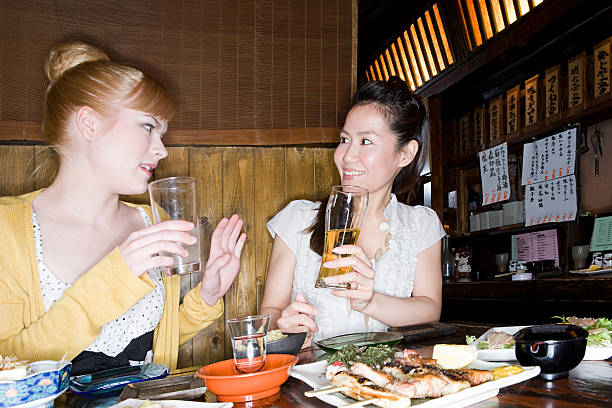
{"points": [[588, 385]]}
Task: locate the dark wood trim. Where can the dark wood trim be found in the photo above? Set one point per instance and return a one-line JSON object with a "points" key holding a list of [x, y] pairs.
{"points": [[509, 39], [432, 48], [436, 156], [438, 35], [451, 19], [30, 131], [586, 117]]}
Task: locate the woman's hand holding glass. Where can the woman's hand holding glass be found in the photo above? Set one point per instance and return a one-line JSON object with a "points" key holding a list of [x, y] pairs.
{"points": [[224, 259], [299, 317], [361, 277], [140, 251]]}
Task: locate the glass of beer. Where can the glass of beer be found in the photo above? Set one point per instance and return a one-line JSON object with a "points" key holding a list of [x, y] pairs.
{"points": [[344, 215], [175, 198]]}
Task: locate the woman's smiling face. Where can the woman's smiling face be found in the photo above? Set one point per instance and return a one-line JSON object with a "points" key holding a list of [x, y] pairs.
{"points": [[367, 155]]}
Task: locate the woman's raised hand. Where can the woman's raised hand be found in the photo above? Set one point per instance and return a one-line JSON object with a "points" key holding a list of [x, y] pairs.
{"points": [[361, 277], [141, 249], [224, 259], [299, 317]]}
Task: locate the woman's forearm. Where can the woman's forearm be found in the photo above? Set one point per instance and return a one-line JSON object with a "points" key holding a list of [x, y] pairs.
{"points": [[397, 312], [275, 314]]}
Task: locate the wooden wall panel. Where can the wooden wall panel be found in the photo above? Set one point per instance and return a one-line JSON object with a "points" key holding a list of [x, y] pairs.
{"points": [[269, 199], [325, 172], [238, 197], [299, 173], [207, 166]]}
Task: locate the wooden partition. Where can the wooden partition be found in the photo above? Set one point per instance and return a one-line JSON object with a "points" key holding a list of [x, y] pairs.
{"points": [[255, 182]]}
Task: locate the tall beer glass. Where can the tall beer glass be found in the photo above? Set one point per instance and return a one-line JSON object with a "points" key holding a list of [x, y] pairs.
{"points": [[175, 198], [344, 215]]}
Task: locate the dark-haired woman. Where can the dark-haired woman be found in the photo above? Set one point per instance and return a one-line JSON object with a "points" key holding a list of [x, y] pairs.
{"points": [[396, 277]]}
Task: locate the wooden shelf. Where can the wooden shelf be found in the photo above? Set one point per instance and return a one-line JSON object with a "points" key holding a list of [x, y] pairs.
{"points": [[507, 229], [586, 117]]}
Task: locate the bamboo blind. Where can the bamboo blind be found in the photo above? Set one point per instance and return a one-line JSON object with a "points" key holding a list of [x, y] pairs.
{"points": [[241, 71]]}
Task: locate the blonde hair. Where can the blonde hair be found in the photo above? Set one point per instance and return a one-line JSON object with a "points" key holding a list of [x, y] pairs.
{"points": [[81, 75]]}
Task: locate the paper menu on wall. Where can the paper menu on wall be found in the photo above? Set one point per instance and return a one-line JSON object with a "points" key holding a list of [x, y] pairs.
{"points": [[602, 234], [494, 174], [537, 246], [551, 201], [549, 158]]}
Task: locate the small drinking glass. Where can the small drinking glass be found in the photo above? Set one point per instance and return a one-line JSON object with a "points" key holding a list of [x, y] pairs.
{"points": [[175, 198], [344, 216], [502, 261], [580, 253], [249, 342]]}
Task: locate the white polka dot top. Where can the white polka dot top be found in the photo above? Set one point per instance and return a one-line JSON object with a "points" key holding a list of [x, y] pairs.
{"points": [[117, 334]]}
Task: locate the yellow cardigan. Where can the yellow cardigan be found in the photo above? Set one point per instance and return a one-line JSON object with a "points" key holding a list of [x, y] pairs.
{"points": [[101, 295]]}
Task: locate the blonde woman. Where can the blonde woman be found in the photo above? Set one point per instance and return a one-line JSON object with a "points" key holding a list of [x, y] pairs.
{"points": [[79, 269]]}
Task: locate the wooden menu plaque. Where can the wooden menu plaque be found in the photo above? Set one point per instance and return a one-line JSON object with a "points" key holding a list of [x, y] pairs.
{"points": [[601, 70], [531, 102], [480, 114], [464, 135], [495, 121], [551, 102], [576, 80], [512, 112]]}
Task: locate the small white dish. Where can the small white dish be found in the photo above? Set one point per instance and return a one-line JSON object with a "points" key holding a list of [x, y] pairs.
{"points": [[135, 403]]}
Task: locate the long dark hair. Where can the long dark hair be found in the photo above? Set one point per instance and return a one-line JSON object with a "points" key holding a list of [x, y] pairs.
{"points": [[406, 117]]}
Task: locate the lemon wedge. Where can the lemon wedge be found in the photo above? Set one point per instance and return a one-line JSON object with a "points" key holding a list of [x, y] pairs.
{"points": [[594, 267], [452, 356]]}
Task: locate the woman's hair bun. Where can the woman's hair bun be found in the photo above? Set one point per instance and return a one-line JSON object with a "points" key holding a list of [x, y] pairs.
{"points": [[68, 55]]}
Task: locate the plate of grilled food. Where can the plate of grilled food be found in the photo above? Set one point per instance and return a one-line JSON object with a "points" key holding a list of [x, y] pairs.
{"points": [[378, 376]]}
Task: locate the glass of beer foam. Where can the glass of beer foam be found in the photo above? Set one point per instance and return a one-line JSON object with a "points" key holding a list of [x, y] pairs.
{"points": [[344, 215]]}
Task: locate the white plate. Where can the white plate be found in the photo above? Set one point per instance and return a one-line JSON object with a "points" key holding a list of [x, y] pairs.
{"points": [[43, 402], [135, 403], [314, 375], [592, 352]]}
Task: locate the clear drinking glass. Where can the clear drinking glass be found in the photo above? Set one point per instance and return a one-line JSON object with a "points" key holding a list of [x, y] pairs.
{"points": [[344, 215], [249, 341], [175, 198]]}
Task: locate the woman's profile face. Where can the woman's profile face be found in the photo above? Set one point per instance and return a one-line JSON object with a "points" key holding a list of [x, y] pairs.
{"points": [[366, 155], [129, 150]]}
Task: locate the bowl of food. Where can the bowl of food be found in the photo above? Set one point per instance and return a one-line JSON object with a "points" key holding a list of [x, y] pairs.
{"points": [[555, 348], [36, 384], [278, 342], [229, 385]]}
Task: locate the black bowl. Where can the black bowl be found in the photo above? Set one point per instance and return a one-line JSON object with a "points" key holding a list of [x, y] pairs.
{"points": [[289, 345], [556, 348]]}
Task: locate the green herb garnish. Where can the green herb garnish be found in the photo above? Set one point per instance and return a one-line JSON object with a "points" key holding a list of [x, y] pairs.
{"points": [[374, 356]]}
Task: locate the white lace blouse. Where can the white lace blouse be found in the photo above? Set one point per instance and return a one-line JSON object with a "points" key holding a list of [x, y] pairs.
{"points": [[412, 229], [117, 334]]}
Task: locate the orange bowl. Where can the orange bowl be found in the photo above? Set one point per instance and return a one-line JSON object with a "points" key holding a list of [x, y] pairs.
{"points": [[223, 380]]}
